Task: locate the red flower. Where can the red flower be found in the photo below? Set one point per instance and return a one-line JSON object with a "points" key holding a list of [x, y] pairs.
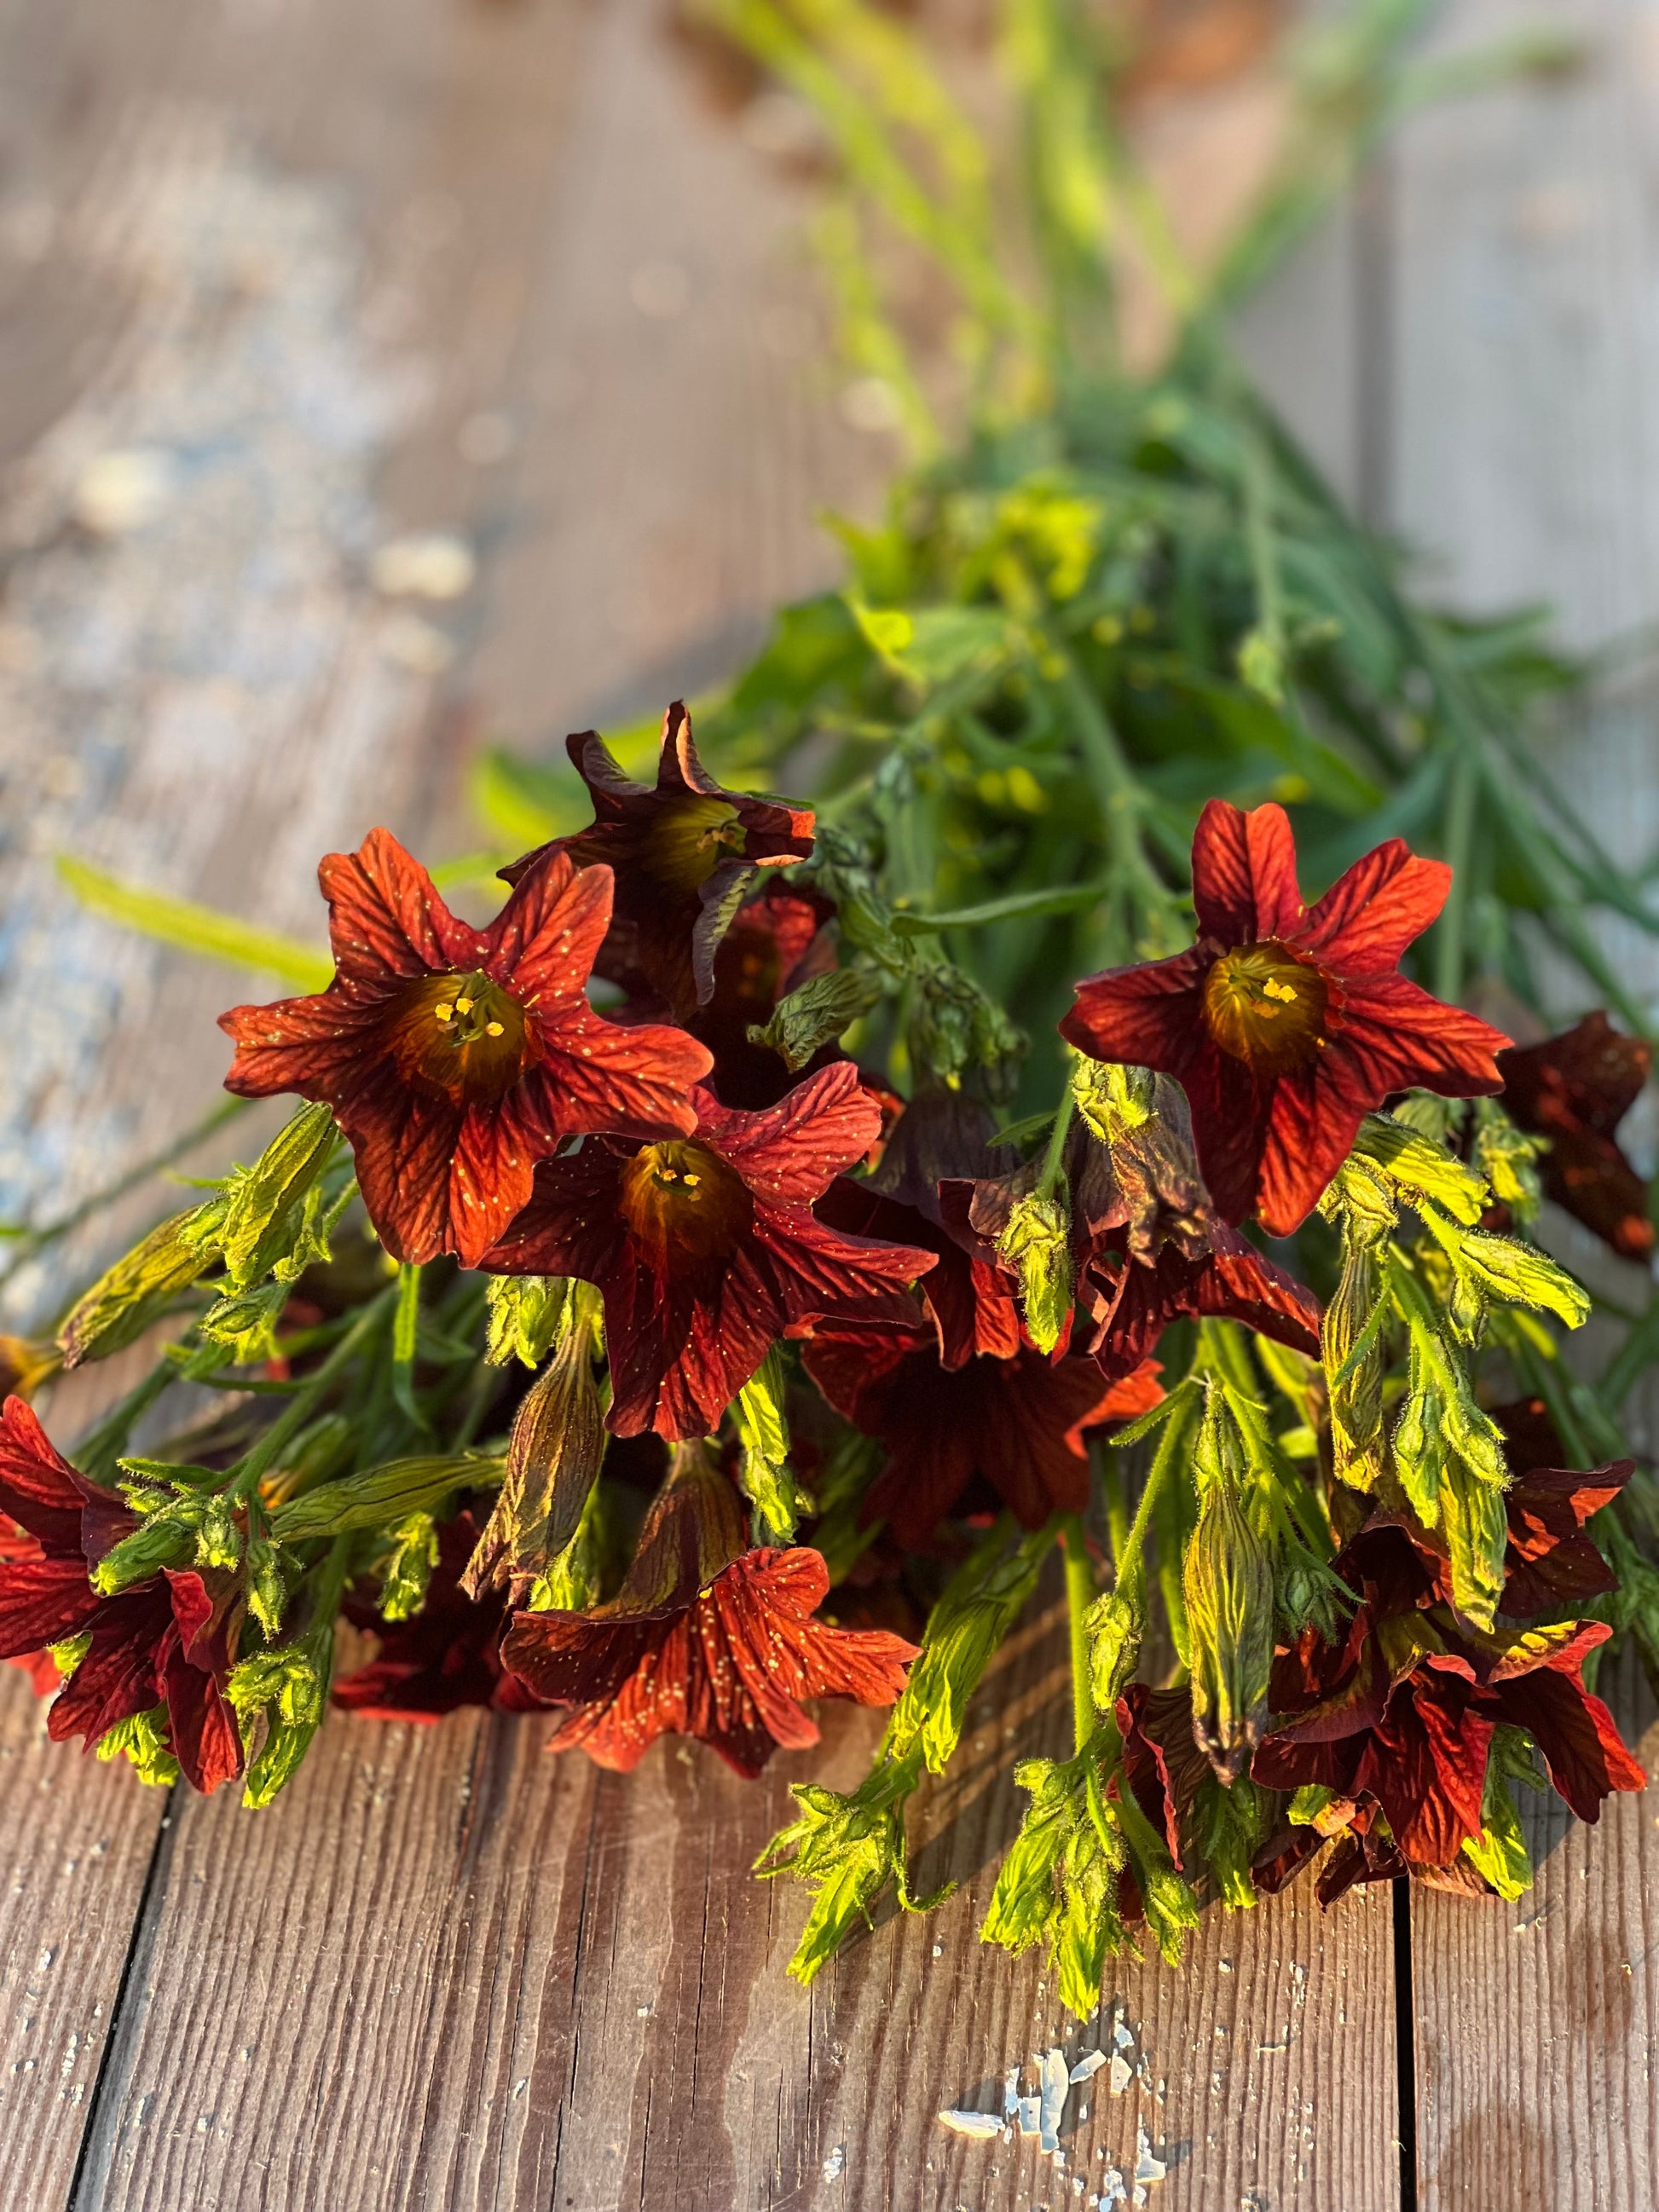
{"points": [[1019, 1422], [1397, 1717], [1574, 1089], [448, 1656], [940, 1139], [1147, 1246], [454, 1058], [168, 1641], [776, 943], [703, 1639], [706, 1248], [1284, 1025], [683, 853]]}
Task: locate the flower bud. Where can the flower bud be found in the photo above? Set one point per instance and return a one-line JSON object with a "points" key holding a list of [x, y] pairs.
{"points": [[1354, 1384], [266, 1211], [122, 1303], [527, 1313], [1036, 1243], [1228, 1585], [1115, 1623], [552, 1461]]}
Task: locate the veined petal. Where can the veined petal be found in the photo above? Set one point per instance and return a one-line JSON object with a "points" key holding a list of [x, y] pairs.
{"points": [[1371, 914], [1244, 886], [43, 1601], [542, 945], [37, 1483], [1146, 1017], [387, 918], [790, 1153]]}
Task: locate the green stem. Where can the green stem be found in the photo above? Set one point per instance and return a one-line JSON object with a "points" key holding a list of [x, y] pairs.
{"points": [[262, 1458], [1055, 1157], [405, 1331], [1460, 832], [1079, 1596]]}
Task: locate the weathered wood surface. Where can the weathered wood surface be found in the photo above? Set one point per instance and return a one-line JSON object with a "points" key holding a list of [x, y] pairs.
{"points": [[1523, 437], [446, 1971]]}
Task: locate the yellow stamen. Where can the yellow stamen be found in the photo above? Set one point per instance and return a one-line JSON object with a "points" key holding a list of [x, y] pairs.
{"points": [[443, 1014], [492, 1028]]}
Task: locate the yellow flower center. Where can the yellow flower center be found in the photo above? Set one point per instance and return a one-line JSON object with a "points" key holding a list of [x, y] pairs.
{"points": [[688, 840], [684, 1206], [1265, 1007], [459, 1034]]}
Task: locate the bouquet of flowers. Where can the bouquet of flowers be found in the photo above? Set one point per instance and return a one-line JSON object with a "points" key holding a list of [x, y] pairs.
{"points": [[752, 1268], [666, 1363]]}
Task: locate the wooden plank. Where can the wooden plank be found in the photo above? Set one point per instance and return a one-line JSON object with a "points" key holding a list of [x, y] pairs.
{"points": [[446, 1971], [1526, 281], [435, 1951], [79, 1845], [1535, 2020]]}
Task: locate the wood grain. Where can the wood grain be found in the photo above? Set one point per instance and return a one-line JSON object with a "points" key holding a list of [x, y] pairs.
{"points": [[1525, 315], [446, 1971], [1535, 2020], [78, 1849]]}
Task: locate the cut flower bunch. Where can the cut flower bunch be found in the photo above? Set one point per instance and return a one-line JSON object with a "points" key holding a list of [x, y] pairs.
{"points": [[666, 1363]]}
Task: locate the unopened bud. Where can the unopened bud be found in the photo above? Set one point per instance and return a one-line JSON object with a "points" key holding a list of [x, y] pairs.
{"points": [[1353, 1369], [1112, 1100], [1507, 1158], [552, 1461], [408, 1573], [527, 1313], [1311, 1595], [1037, 1244], [166, 1539], [1228, 1585], [1116, 1624], [122, 1303], [266, 1203]]}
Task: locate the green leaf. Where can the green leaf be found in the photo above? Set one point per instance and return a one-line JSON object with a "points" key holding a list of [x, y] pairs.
{"points": [[1418, 1168], [140, 1286], [980, 1605], [763, 1434], [932, 646], [198, 929], [266, 1203]]}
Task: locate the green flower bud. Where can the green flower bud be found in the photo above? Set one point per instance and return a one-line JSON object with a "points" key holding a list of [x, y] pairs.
{"points": [[1507, 1158], [1115, 1623], [527, 1313], [1228, 1585], [552, 1461], [1113, 1101], [266, 1204], [1036, 1243], [816, 1014], [286, 1690], [407, 1574], [142, 1741], [383, 1497], [124, 1301], [165, 1539], [1352, 1351], [763, 1433]]}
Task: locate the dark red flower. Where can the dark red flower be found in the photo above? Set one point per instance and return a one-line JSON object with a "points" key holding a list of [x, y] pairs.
{"points": [[1574, 1089], [448, 1656], [1398, 1717], [168, 1641], [940, 1139], [775, 943], [1147, 1246], [454, 1058], [703, 1639], [707, 1250], [684, 855], [1019, 1422], [1285, 1025]]}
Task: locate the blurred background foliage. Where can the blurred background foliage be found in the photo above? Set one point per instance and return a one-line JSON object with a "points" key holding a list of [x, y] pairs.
{"points": [[1110, 583]]}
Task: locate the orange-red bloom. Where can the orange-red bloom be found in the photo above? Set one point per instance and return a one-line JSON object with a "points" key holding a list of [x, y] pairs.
{"points": [[168, 1641], [1019, 1422], [706, 1248], [684, 853], [1399, 1714], [1286, 1024], [455, 1057], [704, 1640], [1574, 1089]]}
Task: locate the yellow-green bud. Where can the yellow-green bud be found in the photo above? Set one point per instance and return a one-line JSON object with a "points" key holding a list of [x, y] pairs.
{"points": [[1228, 1585]]}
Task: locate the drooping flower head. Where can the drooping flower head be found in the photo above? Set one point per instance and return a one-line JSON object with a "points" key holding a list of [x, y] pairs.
{"points": [[166, 1642], [706, 1248], [1286, 1024], [705, 1639], [455, 1057], [1397, 1717], [1575, 1089], [1146, 1245], [683, 853], [1021, 1423]]}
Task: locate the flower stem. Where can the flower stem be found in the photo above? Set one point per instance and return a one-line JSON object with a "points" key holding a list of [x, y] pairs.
{"points": [[1079, 1596], [1055, 1157], [303, 1403]]}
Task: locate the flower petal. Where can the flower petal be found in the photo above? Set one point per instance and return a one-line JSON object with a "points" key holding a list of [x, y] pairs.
{"points": [[790, 1153], [1369, 916], [1244, 886], [386, 917]]}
